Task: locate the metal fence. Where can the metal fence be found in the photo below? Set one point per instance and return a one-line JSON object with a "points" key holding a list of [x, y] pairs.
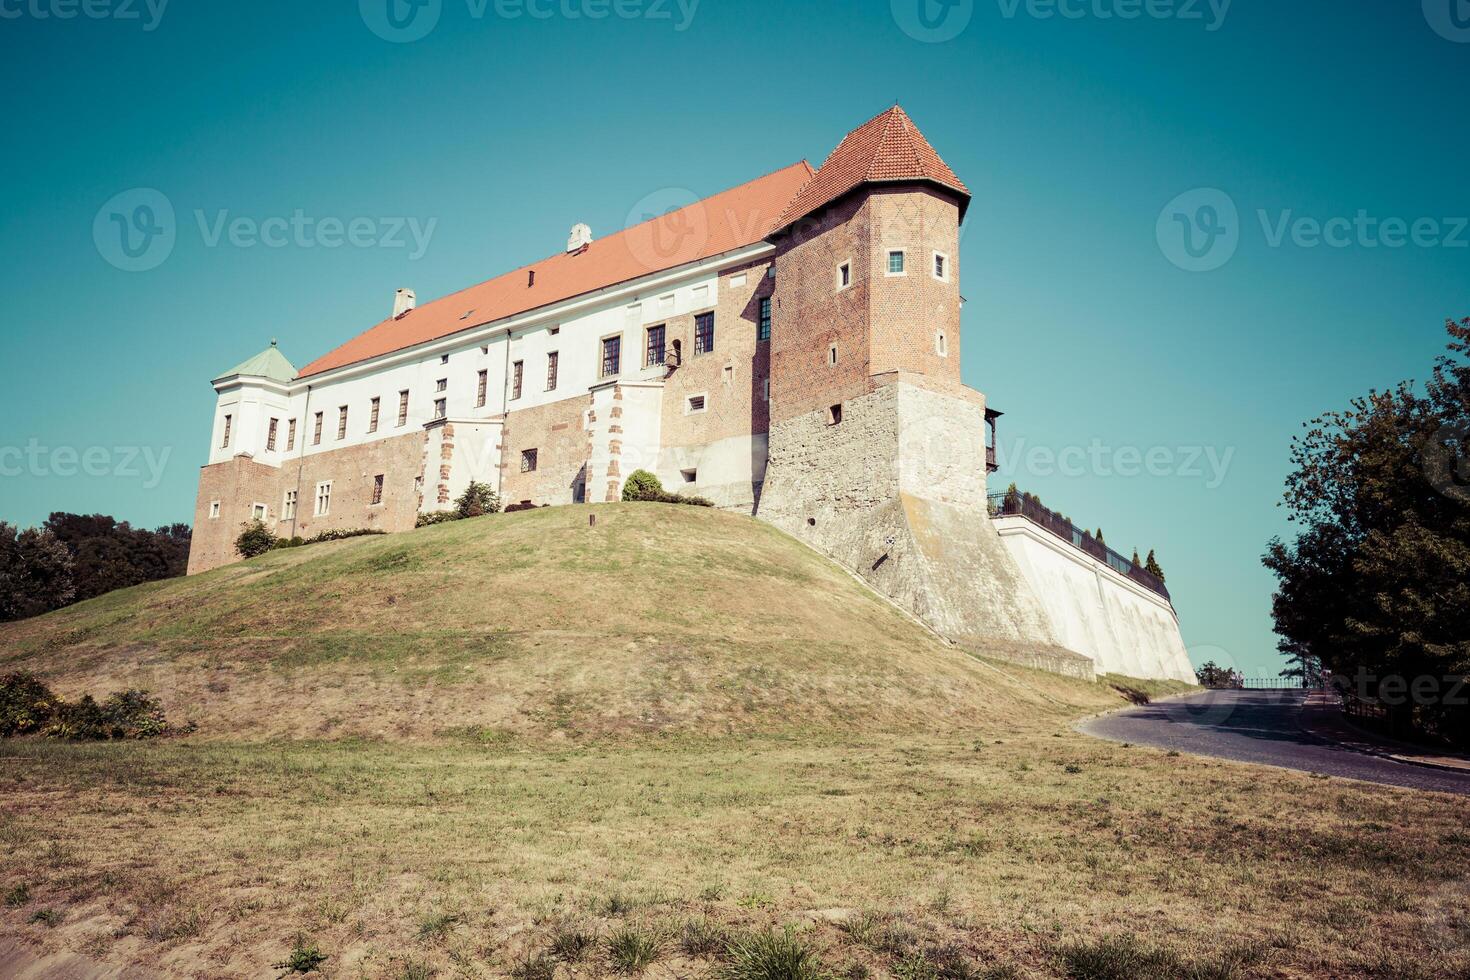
{"points": [[1021, 505]]}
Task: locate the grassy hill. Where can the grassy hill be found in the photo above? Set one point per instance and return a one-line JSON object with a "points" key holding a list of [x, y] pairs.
{"points": [[658, 618]]}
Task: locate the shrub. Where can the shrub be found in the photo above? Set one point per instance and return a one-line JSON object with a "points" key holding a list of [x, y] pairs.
{"points": [[26, 704], [477, 500], [437, 517], [772, 956], [344, 534], [256, 539], [633, 948], [304, 958], [642, 485]]}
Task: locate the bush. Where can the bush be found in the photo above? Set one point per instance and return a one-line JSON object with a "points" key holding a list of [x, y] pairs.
{"points": [[255, 540], [36, 573], [477, 500], [642, 485], [437, 517], [343, 535], [306, 957], [26, 705]]}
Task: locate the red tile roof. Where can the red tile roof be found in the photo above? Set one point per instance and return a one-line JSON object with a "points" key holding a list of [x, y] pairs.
{"points": [[729, 220], [888, 147]]}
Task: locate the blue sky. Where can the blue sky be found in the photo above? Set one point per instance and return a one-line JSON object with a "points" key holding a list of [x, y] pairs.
{"points": [[1076, 123]]}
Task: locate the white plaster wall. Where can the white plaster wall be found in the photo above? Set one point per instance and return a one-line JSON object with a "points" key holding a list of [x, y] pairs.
{"points": [[727, 468], [577, 341], [1124, 627]]}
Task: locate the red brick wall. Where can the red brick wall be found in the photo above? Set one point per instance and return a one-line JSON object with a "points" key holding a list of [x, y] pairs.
{"points": [[908, 311], [558, 433], [240, 483]]}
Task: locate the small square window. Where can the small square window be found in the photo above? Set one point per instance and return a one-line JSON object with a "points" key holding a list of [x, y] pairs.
{"points": [[895, 262], [444, 359], [695, 404], [690, 476], [528, 460], [834, 415], [258, 512], [771, 271], [213, 510], [442, 385]]}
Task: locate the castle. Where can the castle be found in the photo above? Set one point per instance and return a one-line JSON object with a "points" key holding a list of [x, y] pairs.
{"points": [[788, 348]]}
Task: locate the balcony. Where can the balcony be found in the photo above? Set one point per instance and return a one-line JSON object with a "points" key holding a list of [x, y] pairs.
{"points": [[1024, 505]]}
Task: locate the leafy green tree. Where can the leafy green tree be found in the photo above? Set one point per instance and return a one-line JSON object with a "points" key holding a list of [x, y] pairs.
{"points": [[1215, 677], [1376, 582], [477, 500], [255, 539], [108, 554], [35, 573]]}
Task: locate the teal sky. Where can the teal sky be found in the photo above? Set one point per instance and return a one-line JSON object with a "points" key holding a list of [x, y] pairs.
{"points": [[509, 121]]}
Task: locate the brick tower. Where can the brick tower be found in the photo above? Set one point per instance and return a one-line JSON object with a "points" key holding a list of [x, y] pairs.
{"points": [[877, 450]]}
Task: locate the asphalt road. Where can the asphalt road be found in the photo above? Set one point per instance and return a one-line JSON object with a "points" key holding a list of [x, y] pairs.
{"points": [[1260, 727]]}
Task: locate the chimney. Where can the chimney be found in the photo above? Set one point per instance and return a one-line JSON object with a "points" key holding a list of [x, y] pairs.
{"points": [[403, 301], [580, 238]]}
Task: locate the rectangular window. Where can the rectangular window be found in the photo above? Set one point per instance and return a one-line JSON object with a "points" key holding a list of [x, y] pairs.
{"points": [[552, 363], [290, 435], [324, 498], [375, 414], [442, 385], [270, 435], [441, 408], [482, 389], [696, 404], [704, 333], [258, 512], [941, 266], [229, 424], [214, 510], [766, 387], [528, 460], [288, 506], [377, 489], [612, 354], [655, 346], [402, 407], [844, 275], [443, 358], [895, 262], [517, 376], [342, 422], [763, 329], [316, 435]]}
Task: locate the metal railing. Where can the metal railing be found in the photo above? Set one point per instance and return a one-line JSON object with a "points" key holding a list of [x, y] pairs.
{"points": [[1020, 505]]}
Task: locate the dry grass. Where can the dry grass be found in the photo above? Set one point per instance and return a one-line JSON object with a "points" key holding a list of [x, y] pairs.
{"points": [[658, 619], [779, 778]]}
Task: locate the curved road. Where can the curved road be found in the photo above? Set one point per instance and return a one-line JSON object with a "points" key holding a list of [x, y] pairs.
{"points": [[1261, 727]]}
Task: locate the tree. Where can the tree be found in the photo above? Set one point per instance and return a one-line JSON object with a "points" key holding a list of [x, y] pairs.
{"points": [[477, 500], [1376, 583], [255, 539], [1100, 539], [1151, 565], [35, 573], [1215, 677], [1136, 562], [108, 554]]}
